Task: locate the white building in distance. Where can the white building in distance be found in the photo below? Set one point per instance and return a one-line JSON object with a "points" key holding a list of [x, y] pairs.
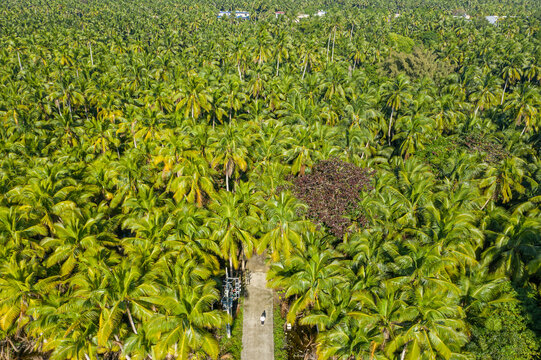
{"points": [[242, 15]]}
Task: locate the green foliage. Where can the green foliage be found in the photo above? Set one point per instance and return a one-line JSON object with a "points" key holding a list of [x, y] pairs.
{"points": [[417, 63], [280, 352], [144, 146], [430, 39], [232, 347], [447, 155], [505, 334], [438, 153], [401, 43]]}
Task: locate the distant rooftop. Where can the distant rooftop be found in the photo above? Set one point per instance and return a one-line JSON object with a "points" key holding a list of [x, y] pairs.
{"points": [[493, 19], [237, 14]]}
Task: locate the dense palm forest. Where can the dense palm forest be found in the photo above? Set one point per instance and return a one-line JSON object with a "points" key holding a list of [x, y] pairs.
{"points": [[385, 157]]}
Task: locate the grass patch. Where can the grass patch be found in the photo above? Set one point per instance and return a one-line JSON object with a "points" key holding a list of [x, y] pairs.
{"points": [[230, 348], [280, 352]]}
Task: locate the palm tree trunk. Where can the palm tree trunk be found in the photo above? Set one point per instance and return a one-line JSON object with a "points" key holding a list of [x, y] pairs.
{"points": [[69, 108], [238, 68], [133, 134], [131, 319], [91, 57], [19, 57], [486, 203], [328, 45], [58, 107], [390, 126], [226, 182], [121, 346], [403, 355], [305, 66], [16, 349], [277, 65], [351, 33]]}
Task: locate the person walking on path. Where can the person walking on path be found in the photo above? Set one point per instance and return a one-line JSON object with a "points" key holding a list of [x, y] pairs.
{"points": [[263, 317]]}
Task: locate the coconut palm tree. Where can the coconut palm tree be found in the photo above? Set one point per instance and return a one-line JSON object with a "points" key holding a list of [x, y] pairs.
{"points": [[284, 231], [514, 241], [184, 325], [395, 94], [20, 289], [193, 97], [192, 181], [77, 235], [231, 150], [233, 228], [18, 234], [436, 329], [308, 277], [524, 104], [503, 179], [146, 147]]}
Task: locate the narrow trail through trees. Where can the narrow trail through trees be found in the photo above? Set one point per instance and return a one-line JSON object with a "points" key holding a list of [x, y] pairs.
{"points": [[257, 339]]}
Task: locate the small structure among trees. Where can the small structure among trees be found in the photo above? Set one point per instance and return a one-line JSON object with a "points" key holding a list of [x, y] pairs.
{"points": [[242, 15], [237, 14]]}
